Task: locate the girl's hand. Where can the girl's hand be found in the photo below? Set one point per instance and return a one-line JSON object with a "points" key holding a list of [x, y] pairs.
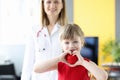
{"points": [[80, 58], [63, 57]]}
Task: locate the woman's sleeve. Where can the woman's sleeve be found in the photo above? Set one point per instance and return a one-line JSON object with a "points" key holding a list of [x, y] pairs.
{"points": [[29, 59]]}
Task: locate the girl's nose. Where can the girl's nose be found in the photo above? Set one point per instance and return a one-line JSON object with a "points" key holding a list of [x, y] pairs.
{"points": [[71, 45]]}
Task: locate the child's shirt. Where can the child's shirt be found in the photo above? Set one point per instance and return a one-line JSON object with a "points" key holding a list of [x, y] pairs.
{"points": [[66, 72]]}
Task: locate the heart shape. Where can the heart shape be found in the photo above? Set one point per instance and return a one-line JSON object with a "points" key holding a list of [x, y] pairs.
{"points": [[71, 58]]}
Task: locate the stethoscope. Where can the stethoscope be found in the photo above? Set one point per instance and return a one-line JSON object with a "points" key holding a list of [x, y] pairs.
{"points": [[39, 32], [39, 35]]}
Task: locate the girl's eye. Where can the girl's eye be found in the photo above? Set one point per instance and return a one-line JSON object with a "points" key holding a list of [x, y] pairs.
{"points": [[66, 42], [75, 41]]}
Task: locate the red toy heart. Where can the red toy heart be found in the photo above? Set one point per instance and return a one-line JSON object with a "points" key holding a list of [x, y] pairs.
{"points": [[71, 58]]}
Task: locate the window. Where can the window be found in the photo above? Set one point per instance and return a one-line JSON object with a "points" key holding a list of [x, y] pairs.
{"points": [[16, 19]]}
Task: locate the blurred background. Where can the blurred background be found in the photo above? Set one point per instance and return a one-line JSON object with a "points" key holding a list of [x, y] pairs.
{"points": [[98, 18]]}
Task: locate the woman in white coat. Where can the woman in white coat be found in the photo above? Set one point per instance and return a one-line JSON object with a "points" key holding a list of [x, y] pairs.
{"points": [[44, 42]]}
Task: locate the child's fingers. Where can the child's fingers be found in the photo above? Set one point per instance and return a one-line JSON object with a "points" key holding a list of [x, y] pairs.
{"points": [[73, 65], [63, 56], [67, 63], [75, 52]]}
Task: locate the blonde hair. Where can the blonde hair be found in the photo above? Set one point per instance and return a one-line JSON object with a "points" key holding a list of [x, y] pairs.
{"points": [[62, 18], [70, 31]]}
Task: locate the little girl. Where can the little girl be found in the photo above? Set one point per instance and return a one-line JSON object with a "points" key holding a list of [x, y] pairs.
{"points": [[70, 64]]}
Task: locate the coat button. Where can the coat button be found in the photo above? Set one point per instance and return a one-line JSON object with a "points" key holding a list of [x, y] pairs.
{"points": [[43, 48]]}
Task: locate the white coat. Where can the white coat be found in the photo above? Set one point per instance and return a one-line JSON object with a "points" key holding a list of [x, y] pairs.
{"points": [[41, 47]]}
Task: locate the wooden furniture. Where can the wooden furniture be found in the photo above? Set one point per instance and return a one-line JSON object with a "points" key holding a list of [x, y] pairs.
{"points": [[113, 70]]}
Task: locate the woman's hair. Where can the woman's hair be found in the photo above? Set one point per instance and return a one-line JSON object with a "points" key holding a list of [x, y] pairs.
{"points": [[70, 31], [62, 18]]}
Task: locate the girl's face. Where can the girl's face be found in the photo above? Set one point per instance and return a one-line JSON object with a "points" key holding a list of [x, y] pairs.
{"points": [[53, 7], [74, 44]]}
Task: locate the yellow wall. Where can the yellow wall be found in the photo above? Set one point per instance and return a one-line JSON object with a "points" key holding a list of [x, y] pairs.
{"points": [[97, 18]]}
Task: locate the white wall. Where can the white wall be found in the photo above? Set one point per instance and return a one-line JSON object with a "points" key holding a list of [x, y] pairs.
{"points": [[118, 19], [15, 54], [69, 5], [15, 19]]}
